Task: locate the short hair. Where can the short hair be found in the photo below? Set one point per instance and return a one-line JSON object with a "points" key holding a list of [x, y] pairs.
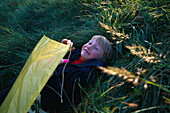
{"points": [[105, 44]]}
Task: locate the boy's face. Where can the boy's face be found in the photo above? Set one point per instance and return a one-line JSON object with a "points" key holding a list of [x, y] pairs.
{"points": [[91, 50]]}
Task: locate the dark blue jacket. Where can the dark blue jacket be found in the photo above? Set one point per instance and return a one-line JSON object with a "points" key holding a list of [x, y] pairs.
{"points": [[76, 78]]}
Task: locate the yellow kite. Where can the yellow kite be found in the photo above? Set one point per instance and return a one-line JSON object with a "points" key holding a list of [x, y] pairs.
{"points": [[40, 65]]}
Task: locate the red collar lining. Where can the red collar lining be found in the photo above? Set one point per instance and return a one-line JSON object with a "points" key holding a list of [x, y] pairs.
{"points": [[79, 61]]}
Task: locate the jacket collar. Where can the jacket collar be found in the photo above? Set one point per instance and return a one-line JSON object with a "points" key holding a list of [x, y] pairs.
{"points": [[92, 62]]}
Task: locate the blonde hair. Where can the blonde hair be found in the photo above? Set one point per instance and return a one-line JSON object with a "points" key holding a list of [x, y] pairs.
{"points": [[105, 44]]}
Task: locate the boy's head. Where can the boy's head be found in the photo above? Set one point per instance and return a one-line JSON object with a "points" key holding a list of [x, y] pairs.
{"points": [[98, 47]]}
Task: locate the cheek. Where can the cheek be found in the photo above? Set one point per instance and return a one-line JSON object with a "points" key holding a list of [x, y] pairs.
{"points": [[100, 53], [97, 54]]}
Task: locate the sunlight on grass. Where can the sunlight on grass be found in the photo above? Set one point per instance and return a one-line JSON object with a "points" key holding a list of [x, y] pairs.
{"points": [[114, 33], [130, 77], [145, 54], [121, 72]]}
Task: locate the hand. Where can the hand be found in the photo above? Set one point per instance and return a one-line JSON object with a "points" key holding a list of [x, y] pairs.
{"points": [[66, 41]]}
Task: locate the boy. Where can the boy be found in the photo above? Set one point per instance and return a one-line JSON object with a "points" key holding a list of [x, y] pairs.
{"points": [[79, 72]]}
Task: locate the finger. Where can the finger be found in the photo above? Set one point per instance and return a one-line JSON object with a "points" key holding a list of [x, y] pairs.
{"points": [[64, 41], [72, 49], [70, 43]]}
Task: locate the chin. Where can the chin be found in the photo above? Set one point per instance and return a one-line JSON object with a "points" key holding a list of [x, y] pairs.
{"points": [[83, 57]]}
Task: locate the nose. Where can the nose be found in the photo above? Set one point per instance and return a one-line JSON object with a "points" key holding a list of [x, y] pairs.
{"points": [[89, 46]]}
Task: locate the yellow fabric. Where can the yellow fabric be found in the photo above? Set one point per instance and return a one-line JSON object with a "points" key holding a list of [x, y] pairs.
{"points": [[39, 67]]}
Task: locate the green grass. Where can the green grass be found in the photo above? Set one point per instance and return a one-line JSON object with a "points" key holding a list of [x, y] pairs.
{"points": [[139, 30]]}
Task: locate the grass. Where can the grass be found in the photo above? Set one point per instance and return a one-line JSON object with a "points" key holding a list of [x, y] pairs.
{"points": [[138, 77]]}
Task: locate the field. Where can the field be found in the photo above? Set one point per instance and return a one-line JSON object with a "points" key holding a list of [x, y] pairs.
{"points": [[136, 79]]}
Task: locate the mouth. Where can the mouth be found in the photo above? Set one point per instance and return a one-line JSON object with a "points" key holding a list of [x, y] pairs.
{"points": [[86, 51]]}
